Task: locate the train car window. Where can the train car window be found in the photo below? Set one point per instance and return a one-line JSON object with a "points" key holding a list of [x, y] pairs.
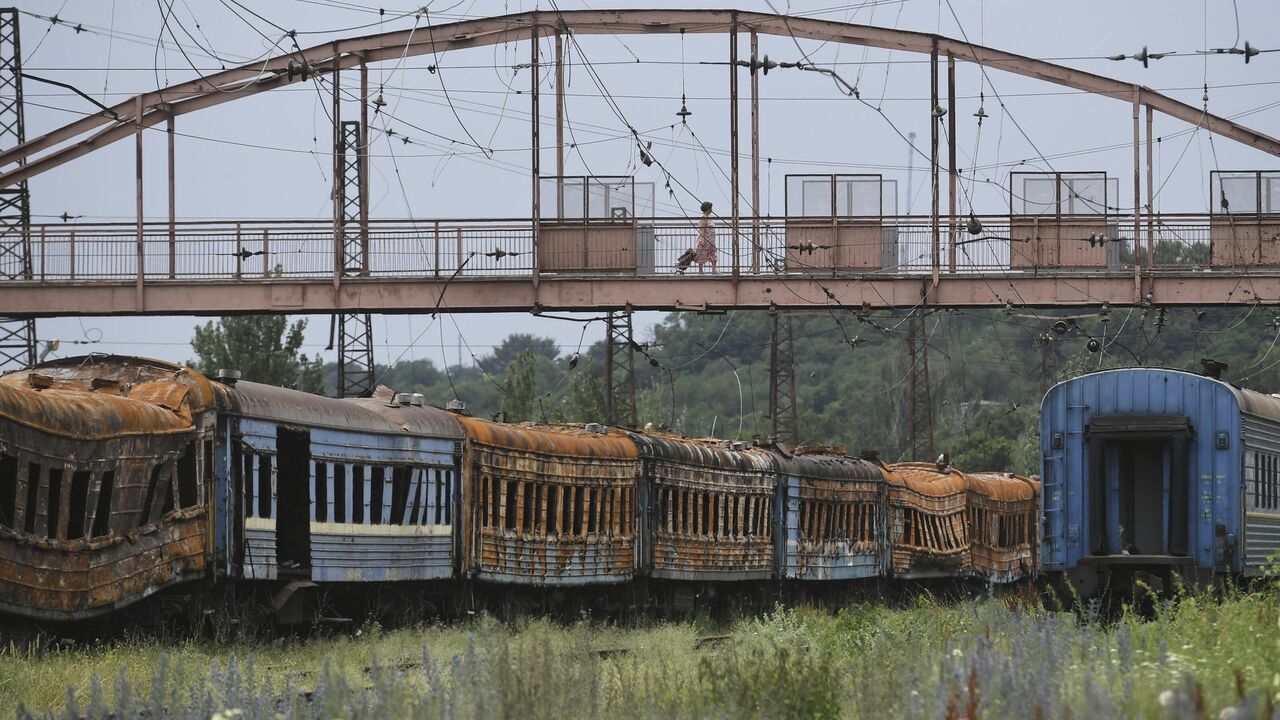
{"points": [[377, 495], [508, 504], [170, 481], [339, 493], [8, 490], [320, 485], [444, 498], [246, 477], [264, 485], [34, 476], [359, 480], [418, 480], [495, 502], [102, 513], [149, 499], [55, 503], [400, 476], [531, 508], [210, 468], [553, 506], [187, 477], [579, 521], [79, 503]]}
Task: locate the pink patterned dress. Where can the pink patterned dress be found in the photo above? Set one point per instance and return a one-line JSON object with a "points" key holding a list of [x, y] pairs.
{"points": [[706, 250]]}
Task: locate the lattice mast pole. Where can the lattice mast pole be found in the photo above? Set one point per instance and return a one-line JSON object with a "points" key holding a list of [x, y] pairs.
{"points": [[355, 330], [782, 381], [919, 404], [17, 335], [620, 371]]}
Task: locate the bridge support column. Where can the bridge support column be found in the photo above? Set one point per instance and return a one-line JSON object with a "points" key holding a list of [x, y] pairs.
{"points": [[1137, 198], [17, 335], [919, 404], [619, 371], [782, 380], [355, 330]]}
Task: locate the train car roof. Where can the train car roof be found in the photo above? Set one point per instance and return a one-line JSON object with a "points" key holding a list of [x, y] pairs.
{"points": [[926, 478], [825, 464], [1002, 486], [1252, 402], [268, 402], [571, 440], [175, 387], [703, 451]]}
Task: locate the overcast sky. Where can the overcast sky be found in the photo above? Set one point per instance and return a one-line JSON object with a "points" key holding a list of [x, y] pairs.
{"points": [[266, 157]]}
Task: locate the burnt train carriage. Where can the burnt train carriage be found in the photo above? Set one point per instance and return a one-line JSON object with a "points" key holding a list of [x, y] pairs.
{"points": [[928, 530], [1003, 537], [330, 490], [103, 467], [548, 505], [832, 510], [1156, 472], [710, 509]]}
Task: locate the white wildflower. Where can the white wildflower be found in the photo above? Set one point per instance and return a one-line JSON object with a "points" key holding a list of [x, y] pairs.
{"points": [[1165, 698]]}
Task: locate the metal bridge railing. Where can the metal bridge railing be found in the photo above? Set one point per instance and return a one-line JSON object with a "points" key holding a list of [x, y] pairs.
{"points": [[258, 250]]}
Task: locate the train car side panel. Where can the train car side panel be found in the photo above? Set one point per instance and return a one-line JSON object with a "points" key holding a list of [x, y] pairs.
{"points": [[834, 518]]}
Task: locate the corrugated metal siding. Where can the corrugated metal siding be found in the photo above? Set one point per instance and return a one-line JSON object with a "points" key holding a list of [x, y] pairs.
{"points": [[1260, 493], [259, 549], [345, 552], [1211, 406]]}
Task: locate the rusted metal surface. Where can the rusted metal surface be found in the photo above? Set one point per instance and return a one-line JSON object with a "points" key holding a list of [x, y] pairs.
{"points": [[833, 515], [252, 399], [928, 530], [548, 505], [1003, 522], [710, 508], [102, 478]]}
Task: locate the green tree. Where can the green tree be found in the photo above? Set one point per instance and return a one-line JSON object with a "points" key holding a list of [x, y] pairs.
{"points": [[264, 348], [585, 400], [518, 388]]}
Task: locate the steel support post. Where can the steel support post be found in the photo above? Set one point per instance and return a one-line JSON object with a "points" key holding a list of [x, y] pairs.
{"points": [[139, 247], [363, 159], [935, 221], [173, 202], [1151, 192], [559, 126], [355, 330], [17, 335], [336, 192], [755, 153], [1137, 198], [619, 371], [919, 404], [536, 168], [733, 139], [952, 176], [783, 411]]}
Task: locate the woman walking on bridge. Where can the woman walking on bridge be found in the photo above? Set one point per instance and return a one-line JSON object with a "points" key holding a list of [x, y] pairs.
{"points": [[706, 250]]}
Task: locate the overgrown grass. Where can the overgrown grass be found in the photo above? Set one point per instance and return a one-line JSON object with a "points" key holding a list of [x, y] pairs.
{"points": [[1198, 657]]}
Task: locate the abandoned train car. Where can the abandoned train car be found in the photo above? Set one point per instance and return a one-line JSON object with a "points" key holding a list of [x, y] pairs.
{"points": [[105, 468], [1152, 473], [124, 477]]}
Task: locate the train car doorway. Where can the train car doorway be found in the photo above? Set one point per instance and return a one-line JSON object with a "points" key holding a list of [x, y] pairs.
{"points": [[1138, 490], [293, 496], [1140, 485]]}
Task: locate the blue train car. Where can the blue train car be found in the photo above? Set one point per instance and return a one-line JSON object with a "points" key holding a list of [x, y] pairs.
{"points": [[328, 490], [1150, 472]]}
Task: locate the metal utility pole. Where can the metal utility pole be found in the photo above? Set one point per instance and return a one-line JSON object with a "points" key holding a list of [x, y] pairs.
{"points": [[619, 371], [782, 381], [1048, 362], [17, 335], [919, 405], [355, 330]]}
